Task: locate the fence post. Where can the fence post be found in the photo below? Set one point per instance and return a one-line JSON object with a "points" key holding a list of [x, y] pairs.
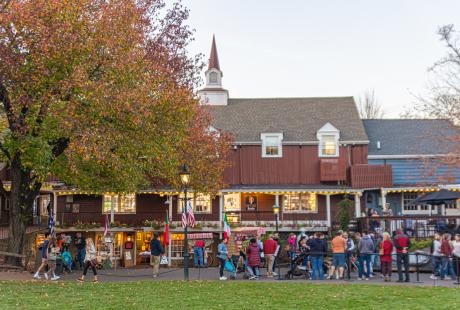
{"points": [[417, 268], [349, 266]]}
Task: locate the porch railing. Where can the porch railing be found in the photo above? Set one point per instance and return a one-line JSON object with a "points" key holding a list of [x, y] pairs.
{"points": [[419, 227]]}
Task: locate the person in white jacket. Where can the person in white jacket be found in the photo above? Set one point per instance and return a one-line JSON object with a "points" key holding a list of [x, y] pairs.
{"points": [[90, 260]]}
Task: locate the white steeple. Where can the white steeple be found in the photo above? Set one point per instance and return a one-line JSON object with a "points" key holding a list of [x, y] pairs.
{"points": [[213, 93]]}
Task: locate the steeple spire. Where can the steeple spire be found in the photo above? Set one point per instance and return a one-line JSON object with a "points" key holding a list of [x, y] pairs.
{"points": [[213, 58]]}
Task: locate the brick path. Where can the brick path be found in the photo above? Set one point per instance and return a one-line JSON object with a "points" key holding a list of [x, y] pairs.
{"points": [[137, 274]]}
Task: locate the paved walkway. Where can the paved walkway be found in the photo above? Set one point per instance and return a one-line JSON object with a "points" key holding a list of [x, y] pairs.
{"points": [[137, 274]]}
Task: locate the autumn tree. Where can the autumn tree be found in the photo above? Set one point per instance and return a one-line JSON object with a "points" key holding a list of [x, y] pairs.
{"points": [[442, 101], [369, 107], [100, 94]]}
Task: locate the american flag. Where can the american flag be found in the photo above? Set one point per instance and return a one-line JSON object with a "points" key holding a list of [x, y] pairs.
{"points": [[191, 217], [51, 222]]}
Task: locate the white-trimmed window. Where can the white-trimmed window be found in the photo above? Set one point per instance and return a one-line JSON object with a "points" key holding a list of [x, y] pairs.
{"points": [[201, 203], [300, 203], [409, 208], [121, 203], [213, 78], [328, 137], [272, 144], [329, 146]]}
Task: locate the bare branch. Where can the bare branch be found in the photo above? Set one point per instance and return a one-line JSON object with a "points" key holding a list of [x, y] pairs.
{"points": [[369, 107]]}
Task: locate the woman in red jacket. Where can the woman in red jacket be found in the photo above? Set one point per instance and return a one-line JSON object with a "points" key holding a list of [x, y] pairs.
{"points": [[253, 252], [386, 249]]}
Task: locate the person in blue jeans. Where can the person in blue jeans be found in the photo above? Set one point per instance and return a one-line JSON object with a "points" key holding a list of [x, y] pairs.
{"points": [[198, 251], [366, 249], [318, 248]]}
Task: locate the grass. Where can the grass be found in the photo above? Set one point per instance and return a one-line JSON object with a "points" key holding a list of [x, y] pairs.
{"points": [[219, 295]]}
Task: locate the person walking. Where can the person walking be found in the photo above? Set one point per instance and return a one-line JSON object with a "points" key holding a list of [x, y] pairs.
{"points": [[80, 244], [222, 255], [53, 252], [317, 249], [366, 249], [90, 260], [339, 246], [253, 253], [402, 243], [44, 261], [385, 251], [156, 250], [456, 254], [269, 253], [436, 256]]}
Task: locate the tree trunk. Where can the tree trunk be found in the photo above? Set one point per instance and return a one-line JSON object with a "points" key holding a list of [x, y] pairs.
{"points": [[24, 190]]}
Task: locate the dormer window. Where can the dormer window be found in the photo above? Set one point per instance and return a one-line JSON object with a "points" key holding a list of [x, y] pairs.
{"points": [[328, 137], [272, 144], [329, 145]]}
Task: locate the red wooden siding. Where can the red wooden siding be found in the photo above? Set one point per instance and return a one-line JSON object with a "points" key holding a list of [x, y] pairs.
{"points": [[299, 165], [148, 207], [365, 176]]}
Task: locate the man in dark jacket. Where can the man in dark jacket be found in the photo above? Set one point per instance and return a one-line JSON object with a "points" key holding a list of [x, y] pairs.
{"points": [[80, 244], [318, 248], [156, 250], [402, 243]]}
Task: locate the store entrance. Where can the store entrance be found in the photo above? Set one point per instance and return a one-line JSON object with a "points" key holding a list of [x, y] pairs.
{"points": [[143, 247]]}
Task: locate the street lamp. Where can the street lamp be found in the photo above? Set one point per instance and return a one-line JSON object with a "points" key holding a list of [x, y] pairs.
{"points": [[184, 175], [276, 211]]}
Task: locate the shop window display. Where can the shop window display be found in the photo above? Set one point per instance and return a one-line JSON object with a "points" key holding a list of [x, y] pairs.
{"points": [[120, 203]]}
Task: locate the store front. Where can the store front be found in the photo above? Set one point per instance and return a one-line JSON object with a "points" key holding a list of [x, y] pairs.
{"points": [[177, 246]]}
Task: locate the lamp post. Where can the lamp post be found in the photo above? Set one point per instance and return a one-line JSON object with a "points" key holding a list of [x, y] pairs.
{"points": [[184, 175], [276, 211]]}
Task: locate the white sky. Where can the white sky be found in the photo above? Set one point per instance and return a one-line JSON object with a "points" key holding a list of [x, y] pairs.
{"points": [[304, 48]]}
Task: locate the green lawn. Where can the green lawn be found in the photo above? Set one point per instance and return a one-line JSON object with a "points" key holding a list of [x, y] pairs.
{"points": [[219, 295]]}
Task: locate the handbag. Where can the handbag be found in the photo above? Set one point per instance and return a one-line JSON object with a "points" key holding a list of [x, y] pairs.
{"points": [[164, 260]]}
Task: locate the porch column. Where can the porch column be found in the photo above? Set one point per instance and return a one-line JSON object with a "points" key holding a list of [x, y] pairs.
{"points": [[383, 194], [112, 213], [328, 210], [170, 203], [221, 213], [357, 205], [55, 207]]}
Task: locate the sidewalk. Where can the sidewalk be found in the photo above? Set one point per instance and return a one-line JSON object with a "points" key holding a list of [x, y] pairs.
{"points": [[138, 274]]}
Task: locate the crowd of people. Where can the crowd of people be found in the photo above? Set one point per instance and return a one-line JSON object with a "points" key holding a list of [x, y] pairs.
{"points": [[361, 251], [58, 248]]}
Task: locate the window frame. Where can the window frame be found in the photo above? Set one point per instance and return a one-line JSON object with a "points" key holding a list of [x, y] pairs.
{"points": [[118, 198], [301, 197], [406, 208], [194, 199], [264, 137]]}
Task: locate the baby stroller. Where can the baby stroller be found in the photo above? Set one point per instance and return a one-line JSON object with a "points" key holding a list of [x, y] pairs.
{"points": [[297, 269], [231, 266], [67, 261]]}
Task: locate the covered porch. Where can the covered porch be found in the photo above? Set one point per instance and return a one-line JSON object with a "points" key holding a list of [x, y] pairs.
{"points": [[292, 207]]}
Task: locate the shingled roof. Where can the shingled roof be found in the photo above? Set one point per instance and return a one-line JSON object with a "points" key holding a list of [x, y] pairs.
{"points": [[297, 118], [410, 136]]}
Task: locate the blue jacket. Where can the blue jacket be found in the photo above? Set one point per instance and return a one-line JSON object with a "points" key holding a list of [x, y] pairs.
{"points": [[222, 251], [317, 246], [156, 249]]}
